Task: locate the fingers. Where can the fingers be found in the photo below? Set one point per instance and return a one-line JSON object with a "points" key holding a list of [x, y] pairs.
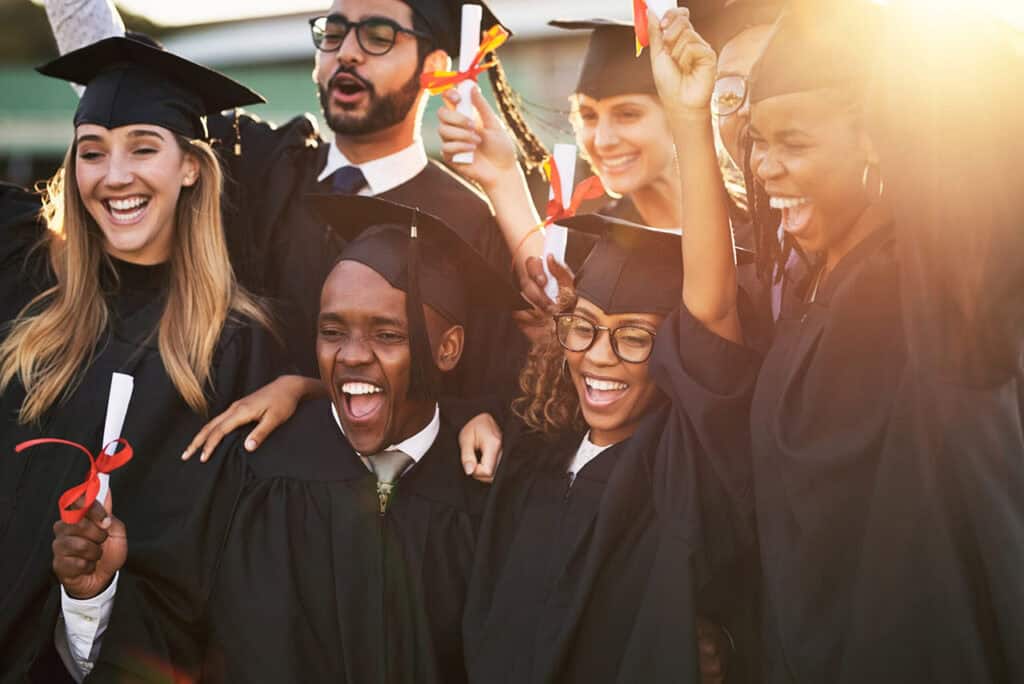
{"points": [[562, 273], [449, 150], [488, 118], [468, 450], [270, 421], [490, 457], [712, 669], [238, 414]]}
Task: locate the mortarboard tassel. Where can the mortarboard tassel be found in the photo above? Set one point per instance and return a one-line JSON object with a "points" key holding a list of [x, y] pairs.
{"points": [[424, 375]]}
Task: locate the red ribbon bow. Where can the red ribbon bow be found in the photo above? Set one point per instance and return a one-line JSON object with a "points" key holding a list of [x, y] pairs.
{"points": [[439, 81], [588, 189], [105, 463], [640, 25]]}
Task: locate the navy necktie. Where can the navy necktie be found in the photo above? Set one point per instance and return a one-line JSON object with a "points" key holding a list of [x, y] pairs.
{"points": [[348, 180]]}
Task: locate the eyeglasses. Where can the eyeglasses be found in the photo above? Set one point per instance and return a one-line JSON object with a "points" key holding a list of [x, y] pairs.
{"points": [[729, 95], [630, 343], [376, 35]]}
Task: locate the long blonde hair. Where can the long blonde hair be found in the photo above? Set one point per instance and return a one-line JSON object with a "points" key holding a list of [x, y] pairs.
{"points": [[54, 338]]}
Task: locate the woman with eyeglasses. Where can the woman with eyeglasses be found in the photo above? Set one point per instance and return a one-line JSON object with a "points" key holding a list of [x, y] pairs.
{"points": [[885, 424], [611, 541], [125, 271]]}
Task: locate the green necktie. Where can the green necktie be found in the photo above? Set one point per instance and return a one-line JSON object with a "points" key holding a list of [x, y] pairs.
{"points": [[388, 466]]}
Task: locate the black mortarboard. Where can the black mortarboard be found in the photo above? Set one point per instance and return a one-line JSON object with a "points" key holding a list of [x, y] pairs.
{"points": [[129, 82], [611, 66], [444, 17], [631, 269], [818, 44], [424, 257], [721, 26]]}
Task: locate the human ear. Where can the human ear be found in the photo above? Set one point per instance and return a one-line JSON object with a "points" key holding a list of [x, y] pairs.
{"points": [[450, 350]]}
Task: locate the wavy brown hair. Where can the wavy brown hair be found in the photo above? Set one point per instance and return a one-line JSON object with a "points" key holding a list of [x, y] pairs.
{"points": [[549, 403], [55, 337]]}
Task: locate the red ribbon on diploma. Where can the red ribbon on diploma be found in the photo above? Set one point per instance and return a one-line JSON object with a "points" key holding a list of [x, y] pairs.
{"points": [[591, 188], [104, 463], [640, 25], [440, 81]]}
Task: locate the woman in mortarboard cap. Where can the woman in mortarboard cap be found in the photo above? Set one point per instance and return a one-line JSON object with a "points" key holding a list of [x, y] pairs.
{"points": [[131, 274], [885, 423], [613, 530]]}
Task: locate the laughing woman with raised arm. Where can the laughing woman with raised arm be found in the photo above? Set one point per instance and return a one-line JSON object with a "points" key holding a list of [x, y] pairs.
{"points": [[885, 431]]}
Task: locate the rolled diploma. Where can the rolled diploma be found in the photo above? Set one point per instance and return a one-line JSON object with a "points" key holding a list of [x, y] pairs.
{"points": [[556, 237], [472, 16], [121, 387], [659, 7]]}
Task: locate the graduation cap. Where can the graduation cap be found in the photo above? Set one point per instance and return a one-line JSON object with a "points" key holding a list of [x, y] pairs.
{"points": [[722, 25], [131, 82], [424, 257], [819, 44], [611, 66], [633, 268], [444, 17]]}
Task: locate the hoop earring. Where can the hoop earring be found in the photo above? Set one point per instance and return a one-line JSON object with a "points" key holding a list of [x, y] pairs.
{"points": [[864, 181]]}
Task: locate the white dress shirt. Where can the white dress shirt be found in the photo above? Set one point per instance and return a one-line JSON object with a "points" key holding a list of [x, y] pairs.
{"points": [[586, 453], [78, 636], [415, 447], [79, 633], [381, 174]]}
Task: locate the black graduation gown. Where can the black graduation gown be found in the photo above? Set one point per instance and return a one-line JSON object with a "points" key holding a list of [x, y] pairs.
{"points": [[282, 251], [601, 581], [160, 499], [316, 586], [889, 490]]}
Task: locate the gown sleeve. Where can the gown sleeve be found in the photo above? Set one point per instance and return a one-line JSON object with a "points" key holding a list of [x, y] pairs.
{"points": [[158, 624]]}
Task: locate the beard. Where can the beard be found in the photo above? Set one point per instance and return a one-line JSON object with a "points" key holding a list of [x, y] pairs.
{"points": [[384, 111]]}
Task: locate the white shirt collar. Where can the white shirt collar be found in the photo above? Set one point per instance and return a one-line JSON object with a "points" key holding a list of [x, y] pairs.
{"points": [[384, 173], [586, 453], [416, 446]]}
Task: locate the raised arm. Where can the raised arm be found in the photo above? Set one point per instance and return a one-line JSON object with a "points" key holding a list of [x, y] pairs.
{"points": [[684, 70], [496, 170], [77, 23]]}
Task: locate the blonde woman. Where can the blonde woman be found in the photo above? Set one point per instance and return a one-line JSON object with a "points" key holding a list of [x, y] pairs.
{"points": [[131, 275]]}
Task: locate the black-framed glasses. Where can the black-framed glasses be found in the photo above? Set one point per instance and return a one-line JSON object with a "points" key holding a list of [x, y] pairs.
{"points": [[631, 343], [729, 95], [376, 35]]}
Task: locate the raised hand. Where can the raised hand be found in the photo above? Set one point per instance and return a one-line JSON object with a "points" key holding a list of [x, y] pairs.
{"points": [[86, 555], [494, 151], [684, 64]]}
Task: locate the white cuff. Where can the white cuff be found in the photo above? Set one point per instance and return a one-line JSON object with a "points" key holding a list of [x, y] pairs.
{"points": [[85, 621]]}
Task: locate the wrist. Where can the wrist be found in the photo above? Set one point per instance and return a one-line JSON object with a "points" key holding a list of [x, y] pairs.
{"points": [[690, 116]]}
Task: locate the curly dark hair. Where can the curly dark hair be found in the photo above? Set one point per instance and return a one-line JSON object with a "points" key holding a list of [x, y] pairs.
{"points": [[549, 403]]}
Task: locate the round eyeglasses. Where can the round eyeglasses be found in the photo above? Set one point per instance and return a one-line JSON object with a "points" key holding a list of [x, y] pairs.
{"points": [[729, 95], [631, 343], [376, 35]]}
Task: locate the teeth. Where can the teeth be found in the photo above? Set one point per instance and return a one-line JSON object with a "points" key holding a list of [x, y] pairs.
{"points": [[360, 388], [787, 202], [604, 385], [617, 162], [127, 204]]}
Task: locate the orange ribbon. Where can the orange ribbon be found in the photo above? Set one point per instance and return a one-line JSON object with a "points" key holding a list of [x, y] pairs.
{"points": [[640, 25], [588, 189], [105, 463], [439, 81]]}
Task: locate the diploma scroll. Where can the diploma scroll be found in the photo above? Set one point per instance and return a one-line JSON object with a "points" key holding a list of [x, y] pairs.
{"points": [[659, 7], [556, 237], [121, 388], [469, 45]]}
